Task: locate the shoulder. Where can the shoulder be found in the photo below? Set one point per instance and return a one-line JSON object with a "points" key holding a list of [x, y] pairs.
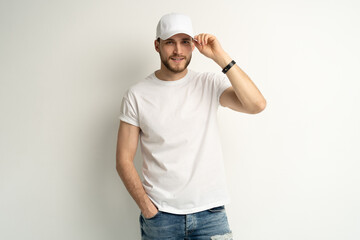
{"points": [[139, 87]]}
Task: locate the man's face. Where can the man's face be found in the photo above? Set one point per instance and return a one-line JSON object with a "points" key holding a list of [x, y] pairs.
{"points": [[175, 52]]}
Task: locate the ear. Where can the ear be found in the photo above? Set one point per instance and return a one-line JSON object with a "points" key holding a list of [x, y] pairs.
{"points": [[157, 45]]}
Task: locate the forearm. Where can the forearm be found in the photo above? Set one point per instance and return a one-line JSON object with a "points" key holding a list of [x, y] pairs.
{"points": [[132, 182], [246, 91]]}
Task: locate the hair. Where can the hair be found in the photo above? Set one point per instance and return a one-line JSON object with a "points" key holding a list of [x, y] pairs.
{"points": [[158, 39]]}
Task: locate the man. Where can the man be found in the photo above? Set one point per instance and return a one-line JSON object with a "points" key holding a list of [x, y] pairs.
{"points": [[174, 111]]}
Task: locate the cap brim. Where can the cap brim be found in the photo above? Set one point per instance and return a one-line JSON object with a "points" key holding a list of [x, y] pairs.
{"points": [[170, 34]]}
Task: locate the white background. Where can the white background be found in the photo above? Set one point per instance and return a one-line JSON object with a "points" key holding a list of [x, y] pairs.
{"points": [[293, 169]]}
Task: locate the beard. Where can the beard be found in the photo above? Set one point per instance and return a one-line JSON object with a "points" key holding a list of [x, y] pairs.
{"points": [[176, 69]]}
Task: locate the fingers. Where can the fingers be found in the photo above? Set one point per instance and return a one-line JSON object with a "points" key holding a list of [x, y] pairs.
{"points": [[200, 38], [203, 38], [197, 40], [197, 44]]}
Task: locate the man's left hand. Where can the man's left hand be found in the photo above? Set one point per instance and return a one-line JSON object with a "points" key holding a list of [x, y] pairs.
{"points": [[209, 46]]}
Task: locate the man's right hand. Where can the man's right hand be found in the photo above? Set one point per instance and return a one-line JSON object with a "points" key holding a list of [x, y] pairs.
{"points": [[150, 212]]}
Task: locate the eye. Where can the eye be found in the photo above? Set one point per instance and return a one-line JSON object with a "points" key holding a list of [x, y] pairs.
{"points": [[186, 42], [169, 42]]}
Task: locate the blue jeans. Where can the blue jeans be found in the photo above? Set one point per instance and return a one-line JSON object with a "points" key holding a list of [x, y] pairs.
{"points": [[210, 224]]}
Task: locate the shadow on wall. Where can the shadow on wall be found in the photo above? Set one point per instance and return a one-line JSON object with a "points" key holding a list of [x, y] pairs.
{"points": [[104, 208], [130, 73]]}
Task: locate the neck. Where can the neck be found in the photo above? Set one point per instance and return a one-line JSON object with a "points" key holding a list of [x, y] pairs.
{"points": [[167, 75]]}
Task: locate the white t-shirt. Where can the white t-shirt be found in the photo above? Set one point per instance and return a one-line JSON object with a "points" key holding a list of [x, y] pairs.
{"points": [[183, 167]]}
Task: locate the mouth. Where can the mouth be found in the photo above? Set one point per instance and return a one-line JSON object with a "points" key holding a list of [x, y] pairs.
{"points": [[177, 59]]}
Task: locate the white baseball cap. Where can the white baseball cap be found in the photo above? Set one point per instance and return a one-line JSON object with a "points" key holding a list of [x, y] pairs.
{"points": [[174, 23]]}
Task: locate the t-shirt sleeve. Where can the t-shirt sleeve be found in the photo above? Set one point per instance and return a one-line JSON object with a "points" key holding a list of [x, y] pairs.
{"points": [[221, 82], [129, 110]]}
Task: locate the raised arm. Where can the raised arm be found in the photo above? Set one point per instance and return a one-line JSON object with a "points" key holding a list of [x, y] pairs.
{"points": [[242, 95]]}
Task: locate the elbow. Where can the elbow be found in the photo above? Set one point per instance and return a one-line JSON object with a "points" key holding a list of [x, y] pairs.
{"points": [[122, 164], [260, 107], [118, 168], [119, 164]]}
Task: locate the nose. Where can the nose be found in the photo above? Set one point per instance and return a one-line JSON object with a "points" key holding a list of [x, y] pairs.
{"points": [[177, 48]]}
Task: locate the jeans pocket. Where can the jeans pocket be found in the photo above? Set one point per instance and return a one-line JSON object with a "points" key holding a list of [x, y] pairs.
{"points": [[217, 209], [157, 214]]}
